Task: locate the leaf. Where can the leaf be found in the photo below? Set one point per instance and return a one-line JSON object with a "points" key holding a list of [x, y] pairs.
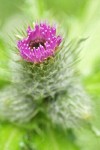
{"points": [[10, 137], [51, 139]]}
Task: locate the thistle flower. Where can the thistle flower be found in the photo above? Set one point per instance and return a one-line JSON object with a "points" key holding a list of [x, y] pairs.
{"points": [[48, 86], [40, 43], [37, 79]]}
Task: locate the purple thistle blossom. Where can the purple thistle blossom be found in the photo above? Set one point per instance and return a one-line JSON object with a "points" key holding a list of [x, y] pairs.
{"points": [[40, 43]]}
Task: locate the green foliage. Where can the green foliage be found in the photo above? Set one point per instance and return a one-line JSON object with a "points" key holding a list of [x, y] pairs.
{"points": [[10, 137], [83, 19], [9, 8], [50, 139], [74, 8], [4, 69]]}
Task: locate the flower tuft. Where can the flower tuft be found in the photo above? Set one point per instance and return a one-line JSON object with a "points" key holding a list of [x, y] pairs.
{"points": [[40, 43]]}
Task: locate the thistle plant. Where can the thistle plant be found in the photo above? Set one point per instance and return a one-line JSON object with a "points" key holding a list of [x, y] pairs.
{"points": [[45, 80]]}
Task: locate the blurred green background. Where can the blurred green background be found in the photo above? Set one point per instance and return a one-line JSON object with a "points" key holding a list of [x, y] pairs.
{"points": [[81, 19]]}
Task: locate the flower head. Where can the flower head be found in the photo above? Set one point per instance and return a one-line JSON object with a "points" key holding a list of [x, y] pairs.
{"points": [[40, 43]]}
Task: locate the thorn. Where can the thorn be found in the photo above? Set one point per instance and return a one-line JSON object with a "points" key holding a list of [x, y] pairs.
{"points": [[18, 36]]}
